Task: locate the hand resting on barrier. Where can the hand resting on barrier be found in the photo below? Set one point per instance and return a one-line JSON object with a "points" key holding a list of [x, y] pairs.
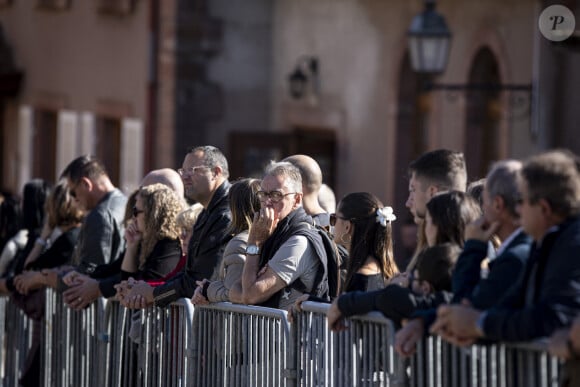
{"points": [[336, 321], [406, 338], [198, 297], [457, 324], [135, 294], [28, 281], [83, 291], [296, 307]]}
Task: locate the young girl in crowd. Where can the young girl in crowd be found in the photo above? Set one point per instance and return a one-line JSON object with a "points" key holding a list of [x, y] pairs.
{"points": [[447, 215]]}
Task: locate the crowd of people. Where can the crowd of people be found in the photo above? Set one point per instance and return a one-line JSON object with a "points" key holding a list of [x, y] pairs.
{"points": [[497, 261]]}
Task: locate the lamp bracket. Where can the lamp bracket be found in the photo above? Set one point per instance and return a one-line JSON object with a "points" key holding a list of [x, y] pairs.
{"points": [[477, 86]]}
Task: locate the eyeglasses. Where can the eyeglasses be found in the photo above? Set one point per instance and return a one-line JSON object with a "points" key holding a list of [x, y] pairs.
{"points": [[136, 211], [191, 170], [274, 196], [333, 218]]}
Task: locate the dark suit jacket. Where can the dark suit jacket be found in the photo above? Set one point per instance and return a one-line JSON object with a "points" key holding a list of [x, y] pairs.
{"points": [[505, 271], [549, 295]]}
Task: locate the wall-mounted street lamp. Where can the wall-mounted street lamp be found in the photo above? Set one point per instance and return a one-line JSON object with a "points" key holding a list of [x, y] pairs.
{"points": [[429, 41], [429, 45], [303, 81]]}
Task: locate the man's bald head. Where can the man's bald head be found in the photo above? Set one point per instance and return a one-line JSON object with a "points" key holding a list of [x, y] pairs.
{"points": [[310, 171], [165, 176]]}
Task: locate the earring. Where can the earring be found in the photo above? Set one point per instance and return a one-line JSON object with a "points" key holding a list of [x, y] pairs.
{"points": [[345, 241]]}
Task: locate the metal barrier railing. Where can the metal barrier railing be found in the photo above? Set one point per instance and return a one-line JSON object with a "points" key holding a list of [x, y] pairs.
{"points": [[238, 345], [150, 347], [227, 344], [438, 363], [17, 341], [72, 347], [363, 355]]}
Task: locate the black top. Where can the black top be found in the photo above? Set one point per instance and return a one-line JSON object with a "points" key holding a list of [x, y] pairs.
{"points": [[159, 263], [366, 283], [59, 253]]}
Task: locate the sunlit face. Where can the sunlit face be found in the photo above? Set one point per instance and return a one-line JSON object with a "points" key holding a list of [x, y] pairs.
{"points": [[418, 197], [430, 230], [196, 177], [287, 204], [532, 218]]}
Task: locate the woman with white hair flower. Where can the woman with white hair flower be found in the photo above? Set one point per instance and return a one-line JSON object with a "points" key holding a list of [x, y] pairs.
{"points": [[363, 226]]}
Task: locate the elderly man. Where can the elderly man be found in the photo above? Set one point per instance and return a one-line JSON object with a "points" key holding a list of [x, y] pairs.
{"points": [[548, 297], [285, 252], [84, 289], [205, 177]]}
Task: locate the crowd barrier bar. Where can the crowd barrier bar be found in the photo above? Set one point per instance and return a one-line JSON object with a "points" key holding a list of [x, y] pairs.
{"points": [[17, 340], [239, 345], [72, 349], [362, 355], [438, 363], [150, 347], [228, 344]]}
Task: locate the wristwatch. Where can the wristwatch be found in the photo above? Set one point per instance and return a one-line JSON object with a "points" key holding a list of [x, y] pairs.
{"points": [[252, 250]]}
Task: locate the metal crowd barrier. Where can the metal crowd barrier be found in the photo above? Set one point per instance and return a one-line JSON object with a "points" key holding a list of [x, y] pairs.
{"points": [[73, 350], [227, 344], [149, 347], [363, 355], [438, 363], [238, 345], [17, 341]]}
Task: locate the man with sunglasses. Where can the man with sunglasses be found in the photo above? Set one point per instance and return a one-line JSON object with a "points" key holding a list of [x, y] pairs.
{"points": [[284, 250], [101, 236], [205, 178], [86, 288]]}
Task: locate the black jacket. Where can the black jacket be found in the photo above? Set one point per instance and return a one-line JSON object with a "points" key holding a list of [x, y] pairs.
{"points": [[160, 262], [549, 296], [394, 302], [505, 271], [205, 250]]}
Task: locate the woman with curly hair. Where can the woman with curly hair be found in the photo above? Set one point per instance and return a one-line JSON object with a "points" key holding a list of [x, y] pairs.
{"points": [[153, 245]]}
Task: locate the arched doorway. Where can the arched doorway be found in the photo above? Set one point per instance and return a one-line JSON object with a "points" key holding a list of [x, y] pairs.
{"points": [[483, 115]]}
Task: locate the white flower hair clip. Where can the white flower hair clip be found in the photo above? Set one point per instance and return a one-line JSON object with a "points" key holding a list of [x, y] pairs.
{"points": [[385, 215]]}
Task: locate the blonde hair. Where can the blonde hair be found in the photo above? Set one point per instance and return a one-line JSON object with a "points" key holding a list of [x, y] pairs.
{"points": [[187, 218], [161, 205]]}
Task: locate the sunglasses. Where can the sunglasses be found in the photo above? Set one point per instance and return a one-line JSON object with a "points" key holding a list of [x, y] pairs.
{"points": [[274, 196], [333, 218], [137, 211]]}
